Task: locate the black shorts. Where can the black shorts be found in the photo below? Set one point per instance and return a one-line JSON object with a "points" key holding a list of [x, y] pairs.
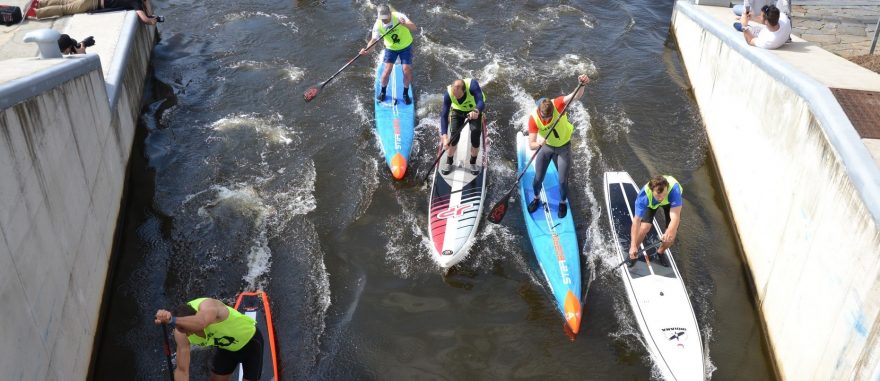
{"points": [[648, 215], [250, 357], [456, 123]]}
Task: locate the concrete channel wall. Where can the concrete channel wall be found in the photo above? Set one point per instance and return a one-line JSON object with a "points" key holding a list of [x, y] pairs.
{"points": [[803, 193], [66, 133]]}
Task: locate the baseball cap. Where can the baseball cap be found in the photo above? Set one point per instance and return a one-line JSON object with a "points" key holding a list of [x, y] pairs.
{"points": [[384, 12]]}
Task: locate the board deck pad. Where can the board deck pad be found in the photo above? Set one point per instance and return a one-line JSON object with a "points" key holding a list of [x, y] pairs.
{"points": [[256, 305], [395, 121], [456, 202], [553, 239], [658, 297]]}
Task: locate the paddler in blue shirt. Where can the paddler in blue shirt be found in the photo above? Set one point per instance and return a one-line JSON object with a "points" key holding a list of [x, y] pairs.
{"points": [[210, 323], [398, 43], [660, 191], [466, 100]]}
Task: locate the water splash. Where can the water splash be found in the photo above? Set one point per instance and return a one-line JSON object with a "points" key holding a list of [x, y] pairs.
{"points": [[270, 127]]}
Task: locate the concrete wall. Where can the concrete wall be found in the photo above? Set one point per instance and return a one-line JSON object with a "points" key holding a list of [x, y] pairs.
{"points": [[803, 192], [65, 137]]}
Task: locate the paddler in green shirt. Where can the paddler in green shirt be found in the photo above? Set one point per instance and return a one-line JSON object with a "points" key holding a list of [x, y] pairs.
{"points": [[209, 322], [398, 43]]}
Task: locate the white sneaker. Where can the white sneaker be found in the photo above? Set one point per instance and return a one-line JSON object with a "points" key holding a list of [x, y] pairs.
{"points": [[445, 168], [472, 168]]}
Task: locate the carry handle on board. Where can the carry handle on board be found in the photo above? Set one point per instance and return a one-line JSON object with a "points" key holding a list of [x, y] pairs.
{"points": [[643, 251], [313, 92], [496, 214]]}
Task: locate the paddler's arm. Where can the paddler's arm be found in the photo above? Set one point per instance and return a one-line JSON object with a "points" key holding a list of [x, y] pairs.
{"points": [[635, 240], [668, 237], [374, 37], [405, 21], [181, 372], [535, 141], [477, 92], [210, 312], [584, 80], [444, 119]]}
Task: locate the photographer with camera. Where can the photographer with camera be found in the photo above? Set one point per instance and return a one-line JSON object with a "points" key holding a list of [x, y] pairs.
{"points": [[70, 46]]}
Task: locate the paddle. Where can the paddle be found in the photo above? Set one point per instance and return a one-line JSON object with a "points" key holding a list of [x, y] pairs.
{"points": [[167, 351], [500, 209], [312, 92], [654, 246], [455, 137]]}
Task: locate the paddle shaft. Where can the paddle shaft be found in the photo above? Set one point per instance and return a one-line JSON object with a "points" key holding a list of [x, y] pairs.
{"points": [[552, 128], [358, 55], [643, 251], [167, 351]]}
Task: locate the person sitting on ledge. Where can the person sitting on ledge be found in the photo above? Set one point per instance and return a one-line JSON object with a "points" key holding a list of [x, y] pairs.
{"points": [[41, 9], [773, 33]]}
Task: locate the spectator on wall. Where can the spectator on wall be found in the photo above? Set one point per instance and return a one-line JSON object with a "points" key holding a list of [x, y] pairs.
{"points": [[55, 8], [773, 32]]}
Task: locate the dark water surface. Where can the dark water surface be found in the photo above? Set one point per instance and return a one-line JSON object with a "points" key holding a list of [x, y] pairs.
{"points": [[239, 184]]}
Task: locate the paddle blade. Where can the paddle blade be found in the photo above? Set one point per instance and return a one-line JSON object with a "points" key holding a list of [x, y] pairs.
{"points": [[498, 211], [310, 94]]}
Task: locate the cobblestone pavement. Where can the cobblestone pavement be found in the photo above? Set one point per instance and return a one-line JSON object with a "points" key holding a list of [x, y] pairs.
{"points": [[845, 30]]}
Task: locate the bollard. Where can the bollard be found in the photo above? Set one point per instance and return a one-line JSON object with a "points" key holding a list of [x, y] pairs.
{"points": [[47, 40], [876, 33]]}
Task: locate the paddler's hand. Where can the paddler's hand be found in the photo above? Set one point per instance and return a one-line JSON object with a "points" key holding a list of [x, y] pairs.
{"points": [[668, 237], [363, 51], [584, 79], [633, 252], [473, 115], [163, 317], [445, 139]]}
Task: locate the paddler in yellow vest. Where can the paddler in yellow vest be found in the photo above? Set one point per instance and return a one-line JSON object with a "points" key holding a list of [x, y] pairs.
{"points": [[555, 145], [210, 323], [398, 43], [466, 100], [660, 192]]}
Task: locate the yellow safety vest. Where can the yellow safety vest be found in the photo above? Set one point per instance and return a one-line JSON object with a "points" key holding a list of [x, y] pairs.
{"points": [[469, 104], [562, 132], [672, 182], [399, 39], [231, 334]]}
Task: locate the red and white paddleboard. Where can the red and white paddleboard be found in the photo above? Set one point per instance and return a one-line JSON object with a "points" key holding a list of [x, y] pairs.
{"points": [[456, 202]]}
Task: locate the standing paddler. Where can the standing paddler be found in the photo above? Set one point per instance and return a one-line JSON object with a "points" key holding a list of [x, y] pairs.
{"points": [[398, 43], [660, 192], [557, 145], [463, 102]]}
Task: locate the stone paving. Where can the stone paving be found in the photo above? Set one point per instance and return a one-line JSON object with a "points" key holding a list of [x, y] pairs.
{"points": [[843, 27], [846, 30]]}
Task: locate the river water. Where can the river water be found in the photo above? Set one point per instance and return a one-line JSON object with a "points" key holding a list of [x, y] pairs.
{"points": [[237, 183]]}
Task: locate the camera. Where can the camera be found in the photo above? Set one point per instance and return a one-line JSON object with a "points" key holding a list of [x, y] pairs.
{"points": [[159, 18], [88, 41]]}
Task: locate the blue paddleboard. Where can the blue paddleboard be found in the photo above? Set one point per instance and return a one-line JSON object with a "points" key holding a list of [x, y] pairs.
{"points": [[395, 121], [553, 239]]}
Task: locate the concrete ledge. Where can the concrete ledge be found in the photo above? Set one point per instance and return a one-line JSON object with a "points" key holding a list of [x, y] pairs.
{"points": [[26, 78], [802, 191], [848, 146]]}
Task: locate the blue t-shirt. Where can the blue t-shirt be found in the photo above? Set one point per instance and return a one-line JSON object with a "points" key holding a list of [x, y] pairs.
{"points": [[642, 200]]}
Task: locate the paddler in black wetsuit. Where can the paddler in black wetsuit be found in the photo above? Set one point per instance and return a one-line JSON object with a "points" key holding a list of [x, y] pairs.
{"points": [[466, 100]]}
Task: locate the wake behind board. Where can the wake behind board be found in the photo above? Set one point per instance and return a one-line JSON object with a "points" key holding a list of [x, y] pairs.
{"points": [[456, 202], [256, 305], [553, 239], [395, 120], [656, 292]]}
